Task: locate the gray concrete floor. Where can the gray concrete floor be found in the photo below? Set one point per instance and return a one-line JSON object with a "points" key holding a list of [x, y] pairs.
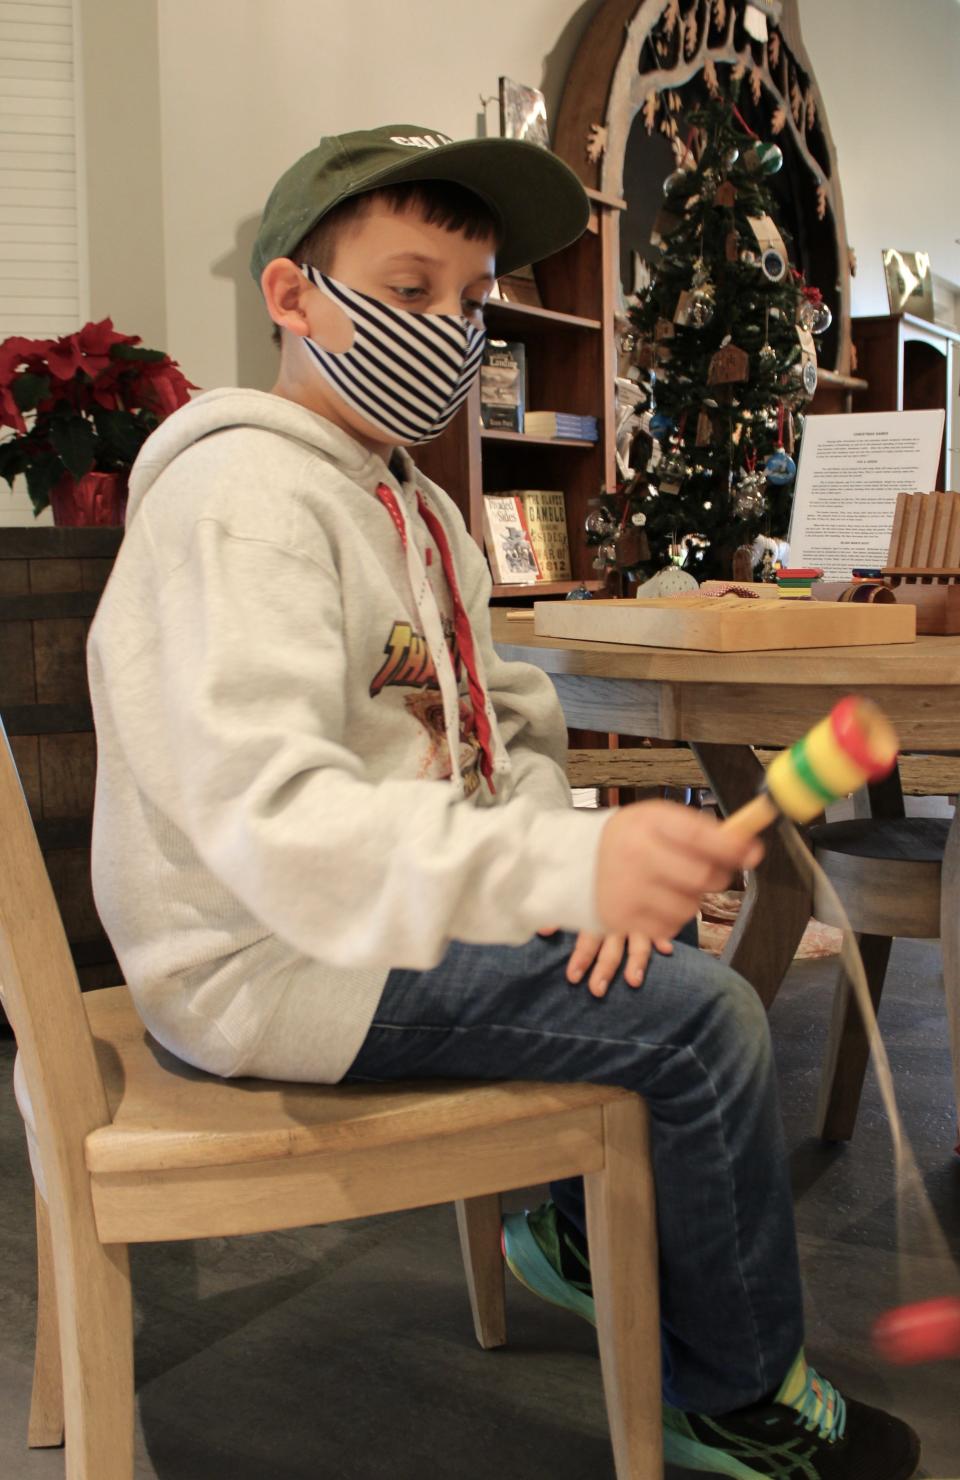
{"points": [[347, 1352]]}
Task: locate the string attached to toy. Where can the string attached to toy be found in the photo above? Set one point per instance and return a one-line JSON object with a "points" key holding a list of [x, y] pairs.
{"points": [[856, 744]]}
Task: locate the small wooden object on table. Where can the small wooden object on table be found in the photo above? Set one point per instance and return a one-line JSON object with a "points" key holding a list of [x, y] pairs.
{"points": [[723, 624], [923, 563]]}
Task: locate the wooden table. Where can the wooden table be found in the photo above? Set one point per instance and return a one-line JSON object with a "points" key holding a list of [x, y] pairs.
{"points": [[724, 704]]}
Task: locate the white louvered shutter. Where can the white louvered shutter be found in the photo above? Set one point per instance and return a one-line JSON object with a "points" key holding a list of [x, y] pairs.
{"points": [[41, 292]]}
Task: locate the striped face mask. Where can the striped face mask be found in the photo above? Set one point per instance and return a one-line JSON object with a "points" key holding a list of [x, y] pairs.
{"points": [[405, 373]]}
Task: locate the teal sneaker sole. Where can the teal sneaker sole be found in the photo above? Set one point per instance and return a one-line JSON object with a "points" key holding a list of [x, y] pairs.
{"points": [[528, 1263]]}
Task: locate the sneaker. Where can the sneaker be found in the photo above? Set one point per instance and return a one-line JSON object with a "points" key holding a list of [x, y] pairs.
{"points": [[541, 1251], [806, 1432]]}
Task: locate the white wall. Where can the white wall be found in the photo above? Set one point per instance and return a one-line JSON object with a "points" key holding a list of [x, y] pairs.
{"points": [[247, 85], [889, 74]]}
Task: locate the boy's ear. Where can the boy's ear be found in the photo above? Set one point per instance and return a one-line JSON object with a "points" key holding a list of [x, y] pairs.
{"points": [[284, 289], [294, 303]]}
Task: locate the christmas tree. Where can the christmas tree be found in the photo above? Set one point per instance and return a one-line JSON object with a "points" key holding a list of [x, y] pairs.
{"points": [[725, 353]]}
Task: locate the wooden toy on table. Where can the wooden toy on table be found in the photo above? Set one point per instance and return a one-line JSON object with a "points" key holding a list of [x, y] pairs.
{"points": [[923, 562]]}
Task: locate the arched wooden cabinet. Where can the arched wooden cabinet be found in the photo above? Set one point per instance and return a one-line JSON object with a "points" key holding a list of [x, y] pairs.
{"points": [[639, 64]]}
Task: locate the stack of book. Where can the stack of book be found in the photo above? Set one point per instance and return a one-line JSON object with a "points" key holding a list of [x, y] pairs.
{"points": [[526, 536], [561, 424]]}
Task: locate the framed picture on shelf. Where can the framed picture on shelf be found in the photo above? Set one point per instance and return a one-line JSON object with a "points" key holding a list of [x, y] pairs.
{"points": [[523, 113], [909, 282]]}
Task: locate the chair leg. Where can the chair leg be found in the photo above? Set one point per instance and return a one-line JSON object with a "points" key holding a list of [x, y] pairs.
{"points": [[96, 1343], [622, 1232], [45, 1427], [848, 1047], [950, 943], [478, 1220]]}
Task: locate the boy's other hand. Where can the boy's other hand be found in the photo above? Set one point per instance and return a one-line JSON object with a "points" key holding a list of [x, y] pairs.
{"points": [[605, 953], [655, 862]]}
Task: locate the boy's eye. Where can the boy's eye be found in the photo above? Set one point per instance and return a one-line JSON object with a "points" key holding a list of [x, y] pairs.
{"points": [[409, 294]]}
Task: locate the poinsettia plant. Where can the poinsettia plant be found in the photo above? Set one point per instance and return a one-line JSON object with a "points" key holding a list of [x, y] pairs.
{"points": [[79, 404]]}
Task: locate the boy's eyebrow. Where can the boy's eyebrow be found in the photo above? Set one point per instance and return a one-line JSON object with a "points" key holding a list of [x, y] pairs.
{"points": [[484, 277]]}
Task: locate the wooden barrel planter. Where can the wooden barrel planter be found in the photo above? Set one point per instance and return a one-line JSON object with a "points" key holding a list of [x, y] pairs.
{"points": [[50, 584]]}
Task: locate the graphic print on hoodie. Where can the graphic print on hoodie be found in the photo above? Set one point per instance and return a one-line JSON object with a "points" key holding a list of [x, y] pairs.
{"points": [[408, 664]]}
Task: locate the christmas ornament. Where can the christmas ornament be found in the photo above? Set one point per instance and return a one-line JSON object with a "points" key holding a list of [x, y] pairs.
{"points": [[598, 523], [673, 470], [608, 552], [822, 318], [580, 593], [773, 265], [730, 363], [763, 158], [748, 499], [780, 468], [725, 195], [632, 548], [709, 181], [661, 424], [767, 355], [731, 157], [748, 258], [701, 305], [809, 377], [676, 182], [638, 518]]}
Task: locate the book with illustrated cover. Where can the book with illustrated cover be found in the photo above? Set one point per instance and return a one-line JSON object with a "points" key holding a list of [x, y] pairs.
{"points": [[502, 391], [513, 558], [546, 515]]}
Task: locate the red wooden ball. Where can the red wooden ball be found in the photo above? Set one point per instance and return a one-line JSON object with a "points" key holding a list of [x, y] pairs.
{"points": [[926, 1331]]}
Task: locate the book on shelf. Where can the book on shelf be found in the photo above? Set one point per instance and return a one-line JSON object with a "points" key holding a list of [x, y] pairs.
{"points": [[513, 558], [561, 424], [546, 515], [502, 385]]}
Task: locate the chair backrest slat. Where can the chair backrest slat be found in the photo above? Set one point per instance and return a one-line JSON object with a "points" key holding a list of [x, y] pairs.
{"points": [[41, 994]]}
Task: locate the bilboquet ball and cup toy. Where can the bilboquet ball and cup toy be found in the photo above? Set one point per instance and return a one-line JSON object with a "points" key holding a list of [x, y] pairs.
{"points": [[853, 745]]}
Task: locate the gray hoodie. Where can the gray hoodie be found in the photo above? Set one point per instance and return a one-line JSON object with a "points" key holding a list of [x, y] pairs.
{"points": [[291, 795]]}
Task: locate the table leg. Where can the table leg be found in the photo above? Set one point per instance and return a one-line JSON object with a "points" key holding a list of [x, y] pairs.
{"points": [[950, 943], [777, 905]]}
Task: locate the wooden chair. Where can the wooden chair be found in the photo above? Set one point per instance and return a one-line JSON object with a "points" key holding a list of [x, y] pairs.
{"points": [[128, 1145], [887, 870]]}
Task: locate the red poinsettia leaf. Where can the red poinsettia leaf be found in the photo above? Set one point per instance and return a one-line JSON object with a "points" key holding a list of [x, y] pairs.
{"points": [[64, 357], [10, 414], [18, 351], [97, 339]]}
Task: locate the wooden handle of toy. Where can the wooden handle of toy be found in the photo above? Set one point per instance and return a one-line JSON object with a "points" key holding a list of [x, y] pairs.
{"points": [[754, 818]]}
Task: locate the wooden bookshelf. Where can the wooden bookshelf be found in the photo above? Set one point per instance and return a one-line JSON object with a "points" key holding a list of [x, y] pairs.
{"points": [[571, 366]]}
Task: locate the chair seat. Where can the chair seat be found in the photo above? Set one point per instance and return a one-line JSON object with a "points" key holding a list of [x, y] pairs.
{"points": [[167, 1115], [886, 872]]}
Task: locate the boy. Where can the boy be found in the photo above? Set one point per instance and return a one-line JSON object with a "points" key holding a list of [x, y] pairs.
{"points": [[331, 822]]}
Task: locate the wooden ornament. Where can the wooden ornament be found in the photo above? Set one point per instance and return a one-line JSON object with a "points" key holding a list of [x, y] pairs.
{"points": [[743, 563], [664, 223], [681, 314], [725, 195], [663, 329], [728, 365], [704, 429], [731, 246]]}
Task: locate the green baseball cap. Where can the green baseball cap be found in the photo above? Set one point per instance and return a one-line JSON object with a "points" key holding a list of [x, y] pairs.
{"points": [[538, 201]]}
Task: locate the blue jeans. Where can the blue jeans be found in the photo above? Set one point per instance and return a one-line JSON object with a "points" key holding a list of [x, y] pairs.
{"points": [[693, 1041]]}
